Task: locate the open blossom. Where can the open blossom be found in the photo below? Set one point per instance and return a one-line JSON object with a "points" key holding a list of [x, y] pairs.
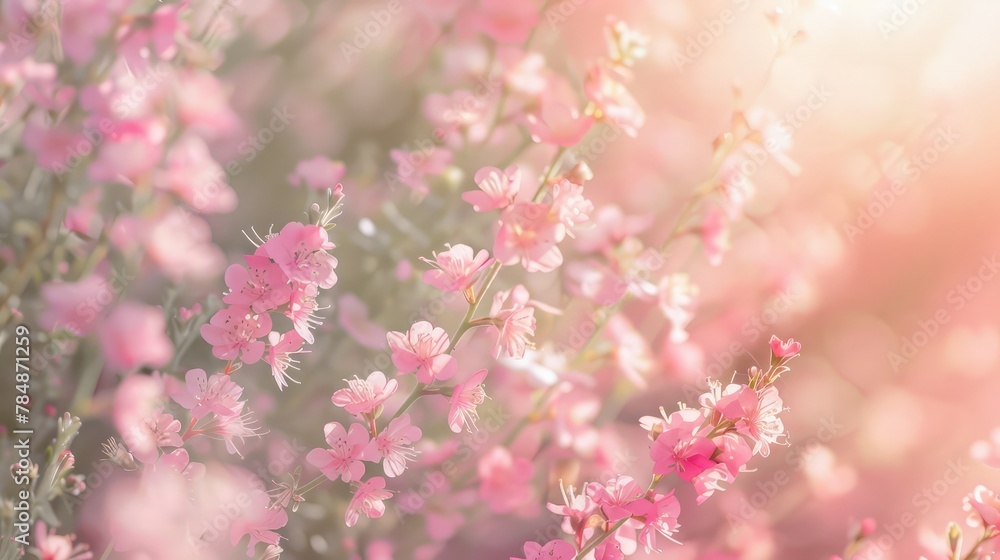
{"points": [[553, 550], [347, 449], [464, 400], [362, 397], [203, 395], [279, 355], [422, 349], [569, 205], [161, 430], [528, 234], [755, 415], [394, 445], [576, 509], [261, 286], [301, 250], [661, 518], [497, 189], [682, 446], [234, 332], [368, 500], [456, 269], [301, 310], [236, 427], [613, 101], [620, 498], [318, 173], [505, 480], [259, 521], [514, 325], [50, 546], [983, 506]]}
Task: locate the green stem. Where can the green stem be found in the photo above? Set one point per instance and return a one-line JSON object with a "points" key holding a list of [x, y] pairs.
{"points": [[311, 484], [594, 543], [548, 174]]}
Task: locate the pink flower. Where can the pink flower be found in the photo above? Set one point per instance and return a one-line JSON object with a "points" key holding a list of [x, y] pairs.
{"points": [[577, 509], [301, 252], [715, 235], [984, 509], [613, 100], [83, 24], [161, 430], [456, 269], [514, 325], [74, 306], [497, 189], [133, 151], [755, 416], [196, 178], [732, 455], [239, 426], [261, 287], [558, 124], [149, 34], [181, 244], [258, 520], [368, 500], [529, 235], [553, 550], [301, 306], [134, 335], [681, 448], [507, 21], [569, 205], [50, 546], [365, 397], [347, 449], [279, 356], [318, 173], [464, 400], [178, 461], [505, 480], [234, 332], [784, 350], [661, 518], [422, 349], [394, 446], [620, 498], [53, 146], [218, 394]]}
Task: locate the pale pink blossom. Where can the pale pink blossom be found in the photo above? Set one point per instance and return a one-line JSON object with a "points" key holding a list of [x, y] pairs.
{"points": [[661, 518], [181, 244], [83, 23], [613, 101], [50, 546], [301, 310], [457, 268], [528, 234], [553, 550], [983, 506], [505, 481], [281, 348], [258, 520], [464, 400], [195, 177], [145, 440], [422, 349], [514, 325], [576, 509], [677, 301], [412, 168], [611, 228], [497, 189], [394, 446], [347, 449], [179, 461], [203, 395], [234, 333], [368, 500], [130, 153], [630, 348], [365, 397], [134, 335], [569, 205], [261, 285], [235, 427], [318, 173], [75, 306], [755, 415], [53, 146], [620, 498], [301, 252], [558, 124]]}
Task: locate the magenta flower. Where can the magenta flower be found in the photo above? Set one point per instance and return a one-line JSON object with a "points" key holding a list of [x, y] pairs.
{"points": [[279, 356], [234, 332], [258, 520], [301, 252], [318, 173], [368, 500], [528, 234], [456, 269], [261, 287], [784, 350], [514, 325], [497, 189], [755, 416], [553, 550], [620, 498], [394, 446], [680, 448], [202, 395], [422, 349], [346, 452], [464, 400], [661, 518], [365, 397]]}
